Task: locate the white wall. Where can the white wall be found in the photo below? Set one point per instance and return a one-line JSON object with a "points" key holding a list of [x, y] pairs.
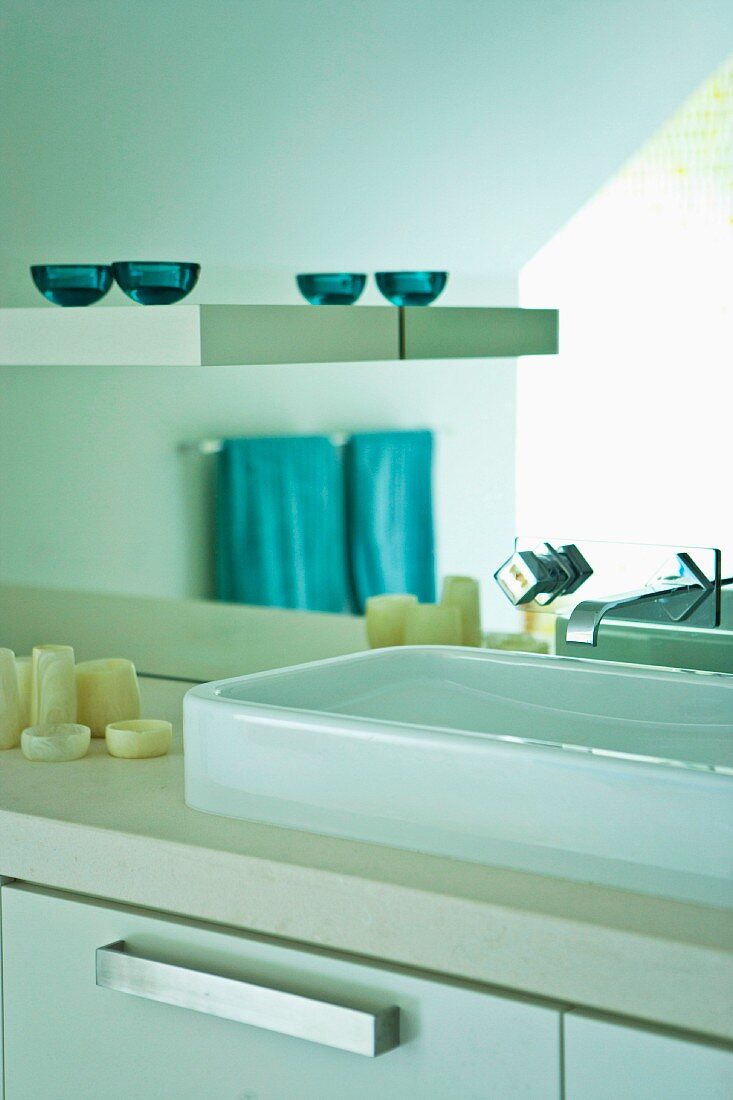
{"points": [[262, 137], [631, 423]]}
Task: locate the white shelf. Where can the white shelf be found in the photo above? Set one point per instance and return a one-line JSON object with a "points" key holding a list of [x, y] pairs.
{"points": [[232, 335]]}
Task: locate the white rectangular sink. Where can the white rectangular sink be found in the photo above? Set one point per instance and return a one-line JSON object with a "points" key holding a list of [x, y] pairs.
{"points": [[615, 774]]}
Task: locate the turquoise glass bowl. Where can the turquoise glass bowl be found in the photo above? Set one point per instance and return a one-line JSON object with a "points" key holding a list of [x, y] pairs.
{"points": [[338, 288], [72, 284], [411, 288], [155, 283]]}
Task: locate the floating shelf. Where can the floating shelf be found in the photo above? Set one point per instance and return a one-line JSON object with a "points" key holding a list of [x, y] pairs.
{"points": [[234, 335]]}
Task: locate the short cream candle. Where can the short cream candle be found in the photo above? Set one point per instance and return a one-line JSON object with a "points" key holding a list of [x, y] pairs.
{"points": [[24, 669], [53, 685], [56, 744], [11, 711], [139, 740], [385, 619], [433, 624], [463, 593], [106, 691]]}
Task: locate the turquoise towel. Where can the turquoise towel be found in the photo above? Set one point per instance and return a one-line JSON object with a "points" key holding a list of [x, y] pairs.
{"points": [[390, 514], [280, 523]]}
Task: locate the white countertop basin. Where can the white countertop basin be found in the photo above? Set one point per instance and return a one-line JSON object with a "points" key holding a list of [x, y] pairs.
{"points": [[617, 775], [119, 830]]}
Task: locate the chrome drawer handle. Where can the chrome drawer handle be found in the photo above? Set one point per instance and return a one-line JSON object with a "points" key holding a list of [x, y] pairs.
{"points": [[369, 1033]]}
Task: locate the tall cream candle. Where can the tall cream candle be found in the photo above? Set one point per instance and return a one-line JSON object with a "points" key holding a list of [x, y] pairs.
{"points": [[385, 619], [106, 691], [432, 624], [24, 669], [463, 593], [11, 722], [53, 686]]}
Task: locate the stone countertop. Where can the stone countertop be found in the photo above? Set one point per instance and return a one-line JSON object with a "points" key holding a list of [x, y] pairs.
{"points": [[120, 830]]}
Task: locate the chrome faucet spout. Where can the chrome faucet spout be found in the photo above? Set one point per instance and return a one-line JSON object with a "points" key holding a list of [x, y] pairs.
{"points": [[586, 617]]}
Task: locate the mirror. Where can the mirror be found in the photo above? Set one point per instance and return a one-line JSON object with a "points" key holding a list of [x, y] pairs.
{"points": [[618, 214]]}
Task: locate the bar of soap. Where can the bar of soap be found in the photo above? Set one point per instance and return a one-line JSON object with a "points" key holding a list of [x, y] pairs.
{"points": [[56, 744], [106, 691], [139, 739]]}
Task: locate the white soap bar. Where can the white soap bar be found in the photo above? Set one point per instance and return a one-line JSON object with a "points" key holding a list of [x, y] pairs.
{"points": [[106, 691], [432, 624], [24, 668], [463, 593], [11, 714], [53, 686], [56, 744], [139, 739], [385, 619]]}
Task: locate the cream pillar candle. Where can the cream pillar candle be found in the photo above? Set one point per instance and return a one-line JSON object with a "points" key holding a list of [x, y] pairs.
{"points": [[53, 685], [433, 624], [463, 593], [11, 711], [139, 740], [385, 619], [106, 691], [24, 669]]}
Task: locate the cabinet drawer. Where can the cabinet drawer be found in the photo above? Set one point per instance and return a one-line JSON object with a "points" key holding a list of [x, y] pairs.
{"points": [[605, 1061], [133, 1038]]}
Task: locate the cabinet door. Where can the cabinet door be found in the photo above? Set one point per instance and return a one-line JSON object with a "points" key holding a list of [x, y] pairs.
{"points": [[70, 1039], [605, 1061]]}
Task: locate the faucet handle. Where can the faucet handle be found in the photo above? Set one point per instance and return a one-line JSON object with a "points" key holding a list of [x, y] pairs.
{"points": [[683, 585], [542, 574]]}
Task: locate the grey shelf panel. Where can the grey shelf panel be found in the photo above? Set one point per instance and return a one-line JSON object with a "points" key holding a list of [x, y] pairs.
{"points": [[233, 335], [474, 332]]}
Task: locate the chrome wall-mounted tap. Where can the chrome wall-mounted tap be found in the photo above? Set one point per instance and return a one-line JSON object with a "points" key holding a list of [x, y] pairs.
{"points": [[686, 590], [681, 591]]}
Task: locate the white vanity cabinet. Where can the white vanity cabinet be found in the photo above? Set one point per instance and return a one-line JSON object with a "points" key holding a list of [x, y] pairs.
{"points": [[68, 1037], [609, 1061]]}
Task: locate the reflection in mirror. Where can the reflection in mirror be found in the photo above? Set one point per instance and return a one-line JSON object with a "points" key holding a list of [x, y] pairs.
{"points": [[102, 497]]}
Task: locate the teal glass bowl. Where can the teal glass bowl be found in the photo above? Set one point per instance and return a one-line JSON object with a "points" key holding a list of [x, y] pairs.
{"points": [[156, 283], [72, 284], [411, 288], [338, 288]]}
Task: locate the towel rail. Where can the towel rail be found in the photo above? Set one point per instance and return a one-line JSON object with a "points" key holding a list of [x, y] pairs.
{"points": [[213, 446], [339, 439]]}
